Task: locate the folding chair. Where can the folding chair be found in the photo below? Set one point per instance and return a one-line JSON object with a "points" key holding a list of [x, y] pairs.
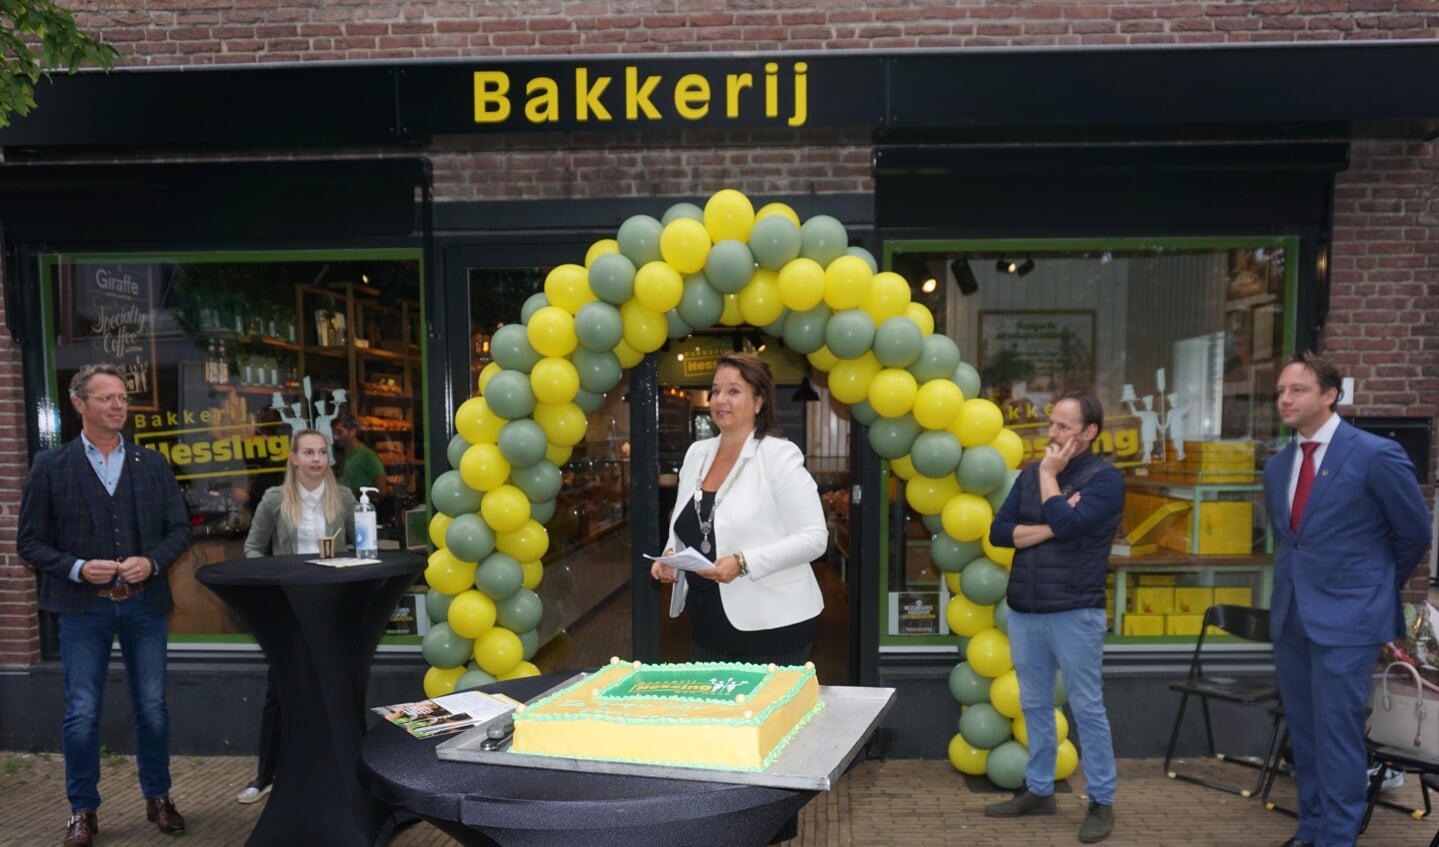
{"points": [[1243, 622]]}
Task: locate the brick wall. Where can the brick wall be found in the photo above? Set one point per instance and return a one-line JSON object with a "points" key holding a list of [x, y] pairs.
{"points": [[19, 629]]}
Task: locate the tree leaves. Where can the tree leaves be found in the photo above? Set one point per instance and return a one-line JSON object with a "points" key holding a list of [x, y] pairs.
{"points": [[38, 38]]}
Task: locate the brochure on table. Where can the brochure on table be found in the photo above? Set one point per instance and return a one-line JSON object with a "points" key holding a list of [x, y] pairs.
{"points": [[447, 714]]}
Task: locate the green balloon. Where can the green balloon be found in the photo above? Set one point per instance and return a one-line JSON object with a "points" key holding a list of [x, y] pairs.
{"points": [[533, 303], [675, 326], [968, 686], [865, 414], [474, 678], [520, 612], [588, 401], [1061, 691], [599, 370], [469, 538], [937, 360], [850, 333], [951, 555], [804, 331], [451, 496], [935, 524], [541, 513], [510, 346], [1006, 763], [639, 239], [898, 342], [702, 304], [612, 278], [936, 453], [774, 241], [981, 470], [437, 605], [967, 378], [893, 437], [540, 481], [599, 327], [530, 641], [775, 329], [1001, 621], [443, 648], [499, 576], [522, 442], [823, 239], [997, 497], [457, 447], [962, 644], [984, 581], [983, 726], [677, 211], [509, 395], [729, 266], [864, 254]]}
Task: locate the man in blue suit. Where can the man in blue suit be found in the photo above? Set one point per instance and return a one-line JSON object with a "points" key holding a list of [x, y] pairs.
{"points": [[102, 521], [1351, 526]]}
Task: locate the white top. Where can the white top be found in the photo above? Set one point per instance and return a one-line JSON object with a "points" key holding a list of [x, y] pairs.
{"points": [[312, 524], [1323, 435]]}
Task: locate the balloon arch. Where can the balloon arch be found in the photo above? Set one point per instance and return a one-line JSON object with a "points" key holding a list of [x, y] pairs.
{"points": [[692, 269]]}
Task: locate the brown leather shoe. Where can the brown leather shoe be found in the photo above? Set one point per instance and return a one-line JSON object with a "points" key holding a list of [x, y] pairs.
{"points": [[162, 813], [81, 829]]}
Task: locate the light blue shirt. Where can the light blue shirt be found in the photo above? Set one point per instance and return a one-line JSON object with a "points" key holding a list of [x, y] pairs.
{"points": [[108, 469]]}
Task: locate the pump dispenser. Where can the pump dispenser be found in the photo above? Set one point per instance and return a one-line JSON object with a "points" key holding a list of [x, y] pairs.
{"points": [[367, 545]]}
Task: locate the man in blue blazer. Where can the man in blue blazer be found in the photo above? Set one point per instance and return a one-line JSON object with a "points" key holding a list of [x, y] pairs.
{"points": [[1351, 527], [102, 521]]}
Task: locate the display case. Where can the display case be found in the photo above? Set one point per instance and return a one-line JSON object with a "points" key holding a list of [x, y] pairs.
{"points": [[596, 489]]}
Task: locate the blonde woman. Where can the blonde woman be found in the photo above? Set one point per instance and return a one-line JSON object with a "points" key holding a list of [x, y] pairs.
{"points": [[292, 518]]}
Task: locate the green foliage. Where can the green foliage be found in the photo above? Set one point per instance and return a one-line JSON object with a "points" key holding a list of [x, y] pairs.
{"points": [[37, 38]]}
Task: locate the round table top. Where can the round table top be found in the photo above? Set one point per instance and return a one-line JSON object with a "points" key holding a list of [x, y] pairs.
{"points": [[297, 569]]}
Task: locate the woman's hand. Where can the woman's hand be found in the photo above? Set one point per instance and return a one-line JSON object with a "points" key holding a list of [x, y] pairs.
{"points": [[662, 572], [726, 569]]}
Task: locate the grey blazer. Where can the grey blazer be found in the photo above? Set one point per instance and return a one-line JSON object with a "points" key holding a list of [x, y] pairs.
{"points": [[272, 535]]}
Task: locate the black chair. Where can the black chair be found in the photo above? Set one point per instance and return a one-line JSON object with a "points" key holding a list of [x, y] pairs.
{"points": [[1409, 761], [1243, 622]]}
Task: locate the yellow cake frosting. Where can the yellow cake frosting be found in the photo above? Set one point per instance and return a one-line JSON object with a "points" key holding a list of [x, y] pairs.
{"points": [[703, 714]]}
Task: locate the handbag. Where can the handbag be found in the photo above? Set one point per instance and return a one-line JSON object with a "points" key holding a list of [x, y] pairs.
{"points": [[1405, 712]]}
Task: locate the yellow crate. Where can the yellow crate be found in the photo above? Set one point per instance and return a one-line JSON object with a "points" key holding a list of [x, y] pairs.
{"points": [[1234, 596], [1220, 461], [1183, 624], [1152, 600], [1190, 600], [1226, 527], [1144, 624], [1156, 579]]}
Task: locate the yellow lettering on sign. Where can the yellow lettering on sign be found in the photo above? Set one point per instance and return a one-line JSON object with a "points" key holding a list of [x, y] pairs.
{"points": [[692, 97], [543, 103], [801, 95], [492, 103], [734, 85], [771, 89], [637, 96], [587, 97]]}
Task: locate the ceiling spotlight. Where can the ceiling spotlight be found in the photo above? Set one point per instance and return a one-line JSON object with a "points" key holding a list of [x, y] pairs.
{"points": [[1006, 266], [964, 278], [805, 393], [929, 285], [756, 341], [737, 342], [1025, 268]]}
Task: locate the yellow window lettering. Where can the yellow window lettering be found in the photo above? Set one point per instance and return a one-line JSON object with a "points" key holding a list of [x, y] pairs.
{"points": [[139, 421], [771, 89], [223, 450], [637, 96], [492, 105], [180, 454], [692, 97], [189, 416], [200, 452], [542, 105], [735, 84], [801, 95], [587, 97]]}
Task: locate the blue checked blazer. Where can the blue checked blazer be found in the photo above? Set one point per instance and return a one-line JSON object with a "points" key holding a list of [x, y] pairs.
{"points": [[63, 519]]}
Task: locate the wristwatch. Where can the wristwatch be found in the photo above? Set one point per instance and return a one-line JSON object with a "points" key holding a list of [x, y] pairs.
{"points": [[743, 566]]}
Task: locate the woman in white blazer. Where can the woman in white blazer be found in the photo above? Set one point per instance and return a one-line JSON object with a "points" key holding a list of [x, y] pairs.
{"points": [[746, 502]]}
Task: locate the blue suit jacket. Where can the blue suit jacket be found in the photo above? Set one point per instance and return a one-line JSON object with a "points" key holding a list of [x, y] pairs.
{"points": [[61, 521], [1364, 529]]}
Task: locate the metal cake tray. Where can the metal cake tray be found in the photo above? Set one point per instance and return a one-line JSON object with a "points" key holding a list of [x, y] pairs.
{"points": [[814, 759]]}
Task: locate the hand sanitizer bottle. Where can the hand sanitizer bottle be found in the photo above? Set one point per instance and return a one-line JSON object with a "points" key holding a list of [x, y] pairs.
{"points": [[367, 545]]}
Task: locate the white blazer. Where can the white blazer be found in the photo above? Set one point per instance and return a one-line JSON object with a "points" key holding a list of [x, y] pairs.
{"points": [[772, 514]]}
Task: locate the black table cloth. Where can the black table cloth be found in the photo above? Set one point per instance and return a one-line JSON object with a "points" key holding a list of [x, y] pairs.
{"points": [[319, 628], [486, 805]]}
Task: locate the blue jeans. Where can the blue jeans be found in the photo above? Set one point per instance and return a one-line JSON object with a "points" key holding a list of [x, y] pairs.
{"points": [[85, 643], [1074, 641]]}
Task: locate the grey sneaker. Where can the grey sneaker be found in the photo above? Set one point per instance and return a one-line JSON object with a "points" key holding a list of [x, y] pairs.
{"points": [[1097, 824], [1023, 803], [254, 792]]}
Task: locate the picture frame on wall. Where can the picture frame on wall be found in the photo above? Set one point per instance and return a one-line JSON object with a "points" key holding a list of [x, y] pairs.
{"points": [[1038, 354]]}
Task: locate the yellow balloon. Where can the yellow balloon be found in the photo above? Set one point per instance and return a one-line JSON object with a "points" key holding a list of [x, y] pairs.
{"points": [[551, 331], [600, 248], [965, 618], [528, 542], [801, 284], [483, 467], [928, 495], [892, 392], [847, 282], [658, 286], [998, 555], [966, 757], [729, 215], [471, 614], [520, 671], [558, 455], [760, 303], [438, 524], [1066, 760], [937, 403], [554, 380], [1020, 727], [967, 517], [568, 287], [778, 209], [988, 653], [488, 373], [888, 297], [499, 651], [534, 573], [903, 467], [978, 422], [1010, 446], [849, 379], [505, 509], [1004, 694], [564, 424], [441, 681], [685, 244], [628, 356], [921, 316], [644, 330], [476, 423], [732, 316], [447, 574], [951, 581], [825, 361]]}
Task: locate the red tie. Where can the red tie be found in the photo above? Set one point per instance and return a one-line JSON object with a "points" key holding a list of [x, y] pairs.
{"points": [[1306, 482]]}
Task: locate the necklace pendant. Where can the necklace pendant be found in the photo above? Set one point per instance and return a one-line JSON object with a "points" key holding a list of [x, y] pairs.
{"points": [[705, 546]]}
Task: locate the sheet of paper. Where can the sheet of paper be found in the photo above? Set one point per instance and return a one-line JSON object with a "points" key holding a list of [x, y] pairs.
{"points": [[446, 714], [688, 559], [343, 562]]}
